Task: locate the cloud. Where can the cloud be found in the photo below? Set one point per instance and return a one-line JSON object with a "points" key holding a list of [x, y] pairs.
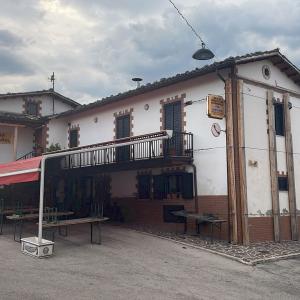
{"points": [[96, 49]]}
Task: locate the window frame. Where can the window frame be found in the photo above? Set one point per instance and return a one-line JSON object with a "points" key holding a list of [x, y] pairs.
{"points": [[283, 186], [279, 119], [70, 137], [29, 105]]}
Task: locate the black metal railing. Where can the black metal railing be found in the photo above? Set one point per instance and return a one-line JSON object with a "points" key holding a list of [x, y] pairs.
{"points": [[146, 147], [28, 155]]}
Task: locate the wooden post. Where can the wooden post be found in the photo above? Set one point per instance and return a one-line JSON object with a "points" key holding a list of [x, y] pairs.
{"points": [[290, 167], [232, 224], [15, 142], [273, 165], [242, 163]]}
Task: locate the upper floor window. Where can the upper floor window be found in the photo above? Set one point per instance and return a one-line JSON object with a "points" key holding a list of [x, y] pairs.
{"points": [[73, 138], [32, 108], [279, 119]]}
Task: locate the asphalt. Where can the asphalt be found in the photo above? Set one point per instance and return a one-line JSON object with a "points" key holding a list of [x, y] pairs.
{"points": [[132, 265]]}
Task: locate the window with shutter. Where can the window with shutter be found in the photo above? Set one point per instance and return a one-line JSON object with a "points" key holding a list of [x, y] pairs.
{"points": [[159, 187], [122, 131], [73, 138], [187, 186], [144, 186], [283, 183], [32, 108], [279, 118]]}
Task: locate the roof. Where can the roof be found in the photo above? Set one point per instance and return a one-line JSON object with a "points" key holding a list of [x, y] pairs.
{"points": [[274, 55], [49, 92], [20, 119]]}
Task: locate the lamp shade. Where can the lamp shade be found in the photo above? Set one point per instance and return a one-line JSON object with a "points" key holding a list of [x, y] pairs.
{"points": [[203, 54]]}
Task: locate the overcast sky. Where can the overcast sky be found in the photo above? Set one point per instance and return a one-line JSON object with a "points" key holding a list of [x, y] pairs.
{"points": [[95, 47]]}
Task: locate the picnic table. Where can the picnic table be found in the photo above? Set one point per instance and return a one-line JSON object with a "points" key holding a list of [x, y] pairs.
{"points": [[10, 211], [89, 220], [18, 219], [212, 220]]}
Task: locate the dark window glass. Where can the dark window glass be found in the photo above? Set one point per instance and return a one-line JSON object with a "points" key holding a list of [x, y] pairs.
{"points": [[159, 187], [73, 138], [279, 119], [32, 108], [144, 186], [283, 183], [187, 185], [180, 184], [123, 131]]}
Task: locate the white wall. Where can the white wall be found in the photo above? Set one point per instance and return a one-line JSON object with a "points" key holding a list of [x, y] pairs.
{"points": [[16, 104], [24, 145], [254, 71], [210, 181], [58, 133]]}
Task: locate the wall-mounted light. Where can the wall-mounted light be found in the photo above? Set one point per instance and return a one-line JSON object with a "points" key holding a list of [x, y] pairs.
{"points": [[146, 106], [96, 119]]}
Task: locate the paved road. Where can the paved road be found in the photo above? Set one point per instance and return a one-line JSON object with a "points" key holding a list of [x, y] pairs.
{"points": [[131, 265]]}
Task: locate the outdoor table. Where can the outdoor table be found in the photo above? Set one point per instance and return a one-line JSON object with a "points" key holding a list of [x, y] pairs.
{"points": [[89, 220], [18, 220], [10, 211], [200, 219]]}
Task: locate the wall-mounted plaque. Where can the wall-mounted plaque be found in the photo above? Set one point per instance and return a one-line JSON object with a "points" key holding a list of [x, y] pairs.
{"points": [[6, 138], [215, 107]]}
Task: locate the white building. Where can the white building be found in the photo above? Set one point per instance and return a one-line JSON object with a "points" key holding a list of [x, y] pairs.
{"points": [[248, 176]]}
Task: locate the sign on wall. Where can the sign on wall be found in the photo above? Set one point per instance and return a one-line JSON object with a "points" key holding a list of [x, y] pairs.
{"points": [[6, 138], [215, 107]]}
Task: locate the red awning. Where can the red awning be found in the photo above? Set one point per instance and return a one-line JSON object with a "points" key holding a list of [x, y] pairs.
{"points": [[20, 171]]}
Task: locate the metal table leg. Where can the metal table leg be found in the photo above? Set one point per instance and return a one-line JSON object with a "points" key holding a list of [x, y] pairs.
{"points": [[1, 223]]}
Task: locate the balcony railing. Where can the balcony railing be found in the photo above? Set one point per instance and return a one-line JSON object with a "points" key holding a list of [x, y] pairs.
{"points": [[180, 145], [28, 155]]}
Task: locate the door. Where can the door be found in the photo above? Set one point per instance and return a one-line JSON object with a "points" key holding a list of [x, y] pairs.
{"points": [[123, 131], [173, 121]]}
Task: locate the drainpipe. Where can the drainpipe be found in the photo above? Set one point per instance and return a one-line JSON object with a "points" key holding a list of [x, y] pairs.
{"points": [[195, 187]]}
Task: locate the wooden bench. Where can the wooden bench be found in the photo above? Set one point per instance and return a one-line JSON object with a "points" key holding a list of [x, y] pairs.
{"points": [[89, 220]]}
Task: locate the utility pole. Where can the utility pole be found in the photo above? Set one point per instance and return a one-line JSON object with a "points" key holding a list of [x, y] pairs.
{"points": [[52, 79]]}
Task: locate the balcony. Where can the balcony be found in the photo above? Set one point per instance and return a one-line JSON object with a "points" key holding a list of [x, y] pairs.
{"points": [[148, 150]]}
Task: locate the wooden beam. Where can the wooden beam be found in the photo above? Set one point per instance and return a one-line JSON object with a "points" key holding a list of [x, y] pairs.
{"points": [[15, 145], [275, 88], [242, 162], [290, 168], [273, 165], [11, 125], [230, 164]]}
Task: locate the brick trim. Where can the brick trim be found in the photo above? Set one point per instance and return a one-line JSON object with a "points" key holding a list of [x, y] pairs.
{"points": [[74, 127], [26, 101], [169, 100], [122, 113]]}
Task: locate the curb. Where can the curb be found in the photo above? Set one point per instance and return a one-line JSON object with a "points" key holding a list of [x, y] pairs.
{"points": [[247, 263]]}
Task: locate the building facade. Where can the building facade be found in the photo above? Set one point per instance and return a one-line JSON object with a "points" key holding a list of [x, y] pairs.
{"points": [[247, 175]]}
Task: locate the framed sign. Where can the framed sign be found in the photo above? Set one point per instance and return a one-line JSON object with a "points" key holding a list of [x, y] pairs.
{"points": [[215, 107], [6, 138]]}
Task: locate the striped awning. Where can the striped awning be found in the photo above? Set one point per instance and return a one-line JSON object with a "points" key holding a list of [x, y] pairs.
{"points": [[20, 171]]}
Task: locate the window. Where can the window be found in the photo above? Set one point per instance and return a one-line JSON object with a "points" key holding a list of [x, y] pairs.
{"points": [[73, 138], [279, 119], [283, 184], [180, 184], [144, 186], [32, 108]]}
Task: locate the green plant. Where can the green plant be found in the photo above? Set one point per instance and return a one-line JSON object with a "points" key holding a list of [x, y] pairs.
{"points": [[54, 147]]}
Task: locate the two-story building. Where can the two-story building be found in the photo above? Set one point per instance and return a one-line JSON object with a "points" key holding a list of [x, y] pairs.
{"points": [[22, 120], [244, 168]]}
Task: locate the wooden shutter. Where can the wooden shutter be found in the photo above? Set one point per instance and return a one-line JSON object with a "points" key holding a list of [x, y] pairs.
{"points": [[159, 187], [279, 119], [187, 186], [144, 186], [73, 138]]}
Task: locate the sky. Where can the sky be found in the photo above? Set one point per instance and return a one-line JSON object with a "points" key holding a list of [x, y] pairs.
{"points": [[95, 47]]}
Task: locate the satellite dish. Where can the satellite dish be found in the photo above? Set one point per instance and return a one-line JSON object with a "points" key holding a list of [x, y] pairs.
{"points": [[137, 80]]}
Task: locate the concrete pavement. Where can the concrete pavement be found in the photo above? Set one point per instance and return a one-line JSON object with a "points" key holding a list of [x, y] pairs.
{"points": [[131, 265]]}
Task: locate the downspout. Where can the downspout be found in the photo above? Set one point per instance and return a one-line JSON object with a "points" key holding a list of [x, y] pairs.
{"points": [[195, 187]]}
